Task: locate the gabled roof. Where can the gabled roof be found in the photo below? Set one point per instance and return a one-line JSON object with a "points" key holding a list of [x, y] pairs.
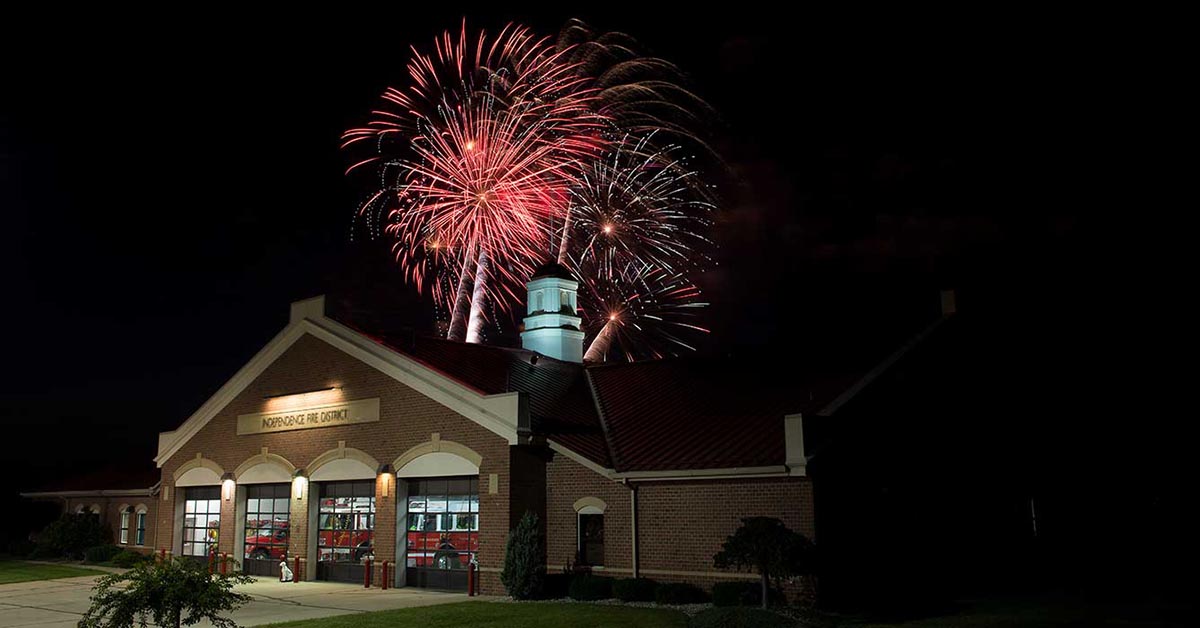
{"points": [[693, 416], [560, 404]]}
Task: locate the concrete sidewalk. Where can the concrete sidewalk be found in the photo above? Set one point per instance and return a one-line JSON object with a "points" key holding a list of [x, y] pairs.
{"points": [[60, 603]]}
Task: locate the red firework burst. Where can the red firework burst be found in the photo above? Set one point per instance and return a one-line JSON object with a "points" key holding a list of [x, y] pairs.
{"points": [[477, 155]]}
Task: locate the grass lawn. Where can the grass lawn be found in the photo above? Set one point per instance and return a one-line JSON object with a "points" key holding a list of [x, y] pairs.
{"points": [[502, 615], [1045, 613], [18, 571]]}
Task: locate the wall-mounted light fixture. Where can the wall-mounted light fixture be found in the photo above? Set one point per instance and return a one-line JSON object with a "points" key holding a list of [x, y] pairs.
{"points": [[299, 481], [303, 392], [227, 484], [386, 475]]}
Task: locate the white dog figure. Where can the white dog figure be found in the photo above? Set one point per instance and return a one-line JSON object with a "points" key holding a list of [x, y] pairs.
{"points": [[285, 574]]}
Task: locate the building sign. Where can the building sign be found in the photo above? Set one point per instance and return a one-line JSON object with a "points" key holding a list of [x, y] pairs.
{"points": [[327, 415]]}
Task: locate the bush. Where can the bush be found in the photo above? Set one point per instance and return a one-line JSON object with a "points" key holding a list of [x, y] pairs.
{"points": [[176, 592], [524, 559], [739, 618], [71, 534], [101, 553], [555, 586], [744, 594], [589, 587], [129, 558], [679, 593], [42, 552], [634, 589], [21, 548]]}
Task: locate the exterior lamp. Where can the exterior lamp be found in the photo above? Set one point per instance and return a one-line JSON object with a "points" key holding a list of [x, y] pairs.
{"points": [[385, 478], [299, 480], [227, 486]]}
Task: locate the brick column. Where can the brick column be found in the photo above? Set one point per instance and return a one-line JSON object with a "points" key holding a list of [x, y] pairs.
{"points": [[385, 522], [298, 522], [164, 520], [228, 521]]}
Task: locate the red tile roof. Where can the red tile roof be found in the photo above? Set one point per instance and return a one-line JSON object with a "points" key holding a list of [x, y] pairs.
{"points": [[694, 413]]}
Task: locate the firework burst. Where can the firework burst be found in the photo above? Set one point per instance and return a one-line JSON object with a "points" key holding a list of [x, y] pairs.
{"points": [[637, 203], [477, 156], [500, 152], [640, 312]]}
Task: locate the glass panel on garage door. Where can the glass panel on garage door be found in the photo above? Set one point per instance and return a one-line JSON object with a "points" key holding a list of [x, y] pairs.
{"points": [[345, 529], [201, 521], [443, 531], [267, 528]]}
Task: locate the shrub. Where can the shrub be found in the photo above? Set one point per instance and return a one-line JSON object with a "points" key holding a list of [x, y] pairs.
{"points": [[176, 592], [71, 534], [524, 559], [589, 587], [129, 558], [555, 586], [739, 618], [21, 548], [42, 552], [769, 547], [679, 593], [744, 594], [634, 589], [101, 553]]}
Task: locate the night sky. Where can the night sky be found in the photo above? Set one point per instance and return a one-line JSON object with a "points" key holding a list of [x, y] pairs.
{"points": [[167, 190]]}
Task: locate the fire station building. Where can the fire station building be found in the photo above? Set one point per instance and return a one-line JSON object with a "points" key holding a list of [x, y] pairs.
{"points": [[335, 445]]}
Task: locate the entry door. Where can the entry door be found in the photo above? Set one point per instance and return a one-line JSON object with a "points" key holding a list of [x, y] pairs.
{"points": [[267, 528]]}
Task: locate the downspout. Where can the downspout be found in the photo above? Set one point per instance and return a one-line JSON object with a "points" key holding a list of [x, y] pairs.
{"points": [[633, 509]]}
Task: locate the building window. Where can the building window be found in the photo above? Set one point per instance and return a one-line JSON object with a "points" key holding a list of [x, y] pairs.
{"points": [[346, 521], [124, 526], [201, 520], [267, 509], [591, 538], [443, 523], [140, 531]]}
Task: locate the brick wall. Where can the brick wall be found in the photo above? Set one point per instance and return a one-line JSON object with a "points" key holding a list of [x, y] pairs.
{"points": [[568, 481], [681, 524], [407, 418], [110, 516]]}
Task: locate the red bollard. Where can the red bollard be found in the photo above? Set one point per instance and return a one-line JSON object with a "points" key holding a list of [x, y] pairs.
{"points": [[224, 563], [162, 553], [367, 575], [383, 582], [296, 571]]}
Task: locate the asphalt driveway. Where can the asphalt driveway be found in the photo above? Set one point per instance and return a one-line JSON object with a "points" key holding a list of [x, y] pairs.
{"points": [[60, 603]]}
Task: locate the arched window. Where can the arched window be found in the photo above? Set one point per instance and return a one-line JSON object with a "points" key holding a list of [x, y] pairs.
{"points": [[139, 531], [125, 516]]}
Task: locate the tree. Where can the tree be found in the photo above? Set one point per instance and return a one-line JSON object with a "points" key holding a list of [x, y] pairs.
{"points": [[524, 559], [170, 593], [73, 533], [767, 545]]}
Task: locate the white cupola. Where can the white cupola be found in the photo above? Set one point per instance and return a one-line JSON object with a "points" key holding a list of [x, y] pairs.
{"points": [[552, 323]]}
